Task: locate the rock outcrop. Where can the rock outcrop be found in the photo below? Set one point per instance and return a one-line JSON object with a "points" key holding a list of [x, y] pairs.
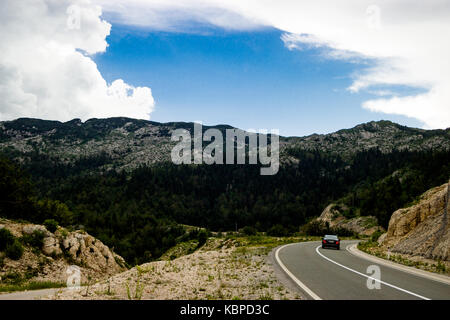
{"points": [[59, 250], [422, 229], [333, 215], [84, 249]]}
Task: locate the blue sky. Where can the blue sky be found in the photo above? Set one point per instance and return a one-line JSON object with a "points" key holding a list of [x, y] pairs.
{"points": [[247, 79]]}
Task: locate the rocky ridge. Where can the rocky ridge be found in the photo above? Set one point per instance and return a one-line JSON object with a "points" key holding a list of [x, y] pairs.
{"points": [[124, 143]]}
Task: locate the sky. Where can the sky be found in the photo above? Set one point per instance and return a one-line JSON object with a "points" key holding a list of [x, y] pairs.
{"points": [[298, 67]]}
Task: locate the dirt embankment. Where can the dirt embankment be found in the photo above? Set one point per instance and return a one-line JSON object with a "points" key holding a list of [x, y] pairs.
{"points": [[221, 269]]}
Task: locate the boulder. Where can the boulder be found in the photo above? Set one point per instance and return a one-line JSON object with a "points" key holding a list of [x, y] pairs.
{"points": [[31, 228], [87, 250], [51, 246]]}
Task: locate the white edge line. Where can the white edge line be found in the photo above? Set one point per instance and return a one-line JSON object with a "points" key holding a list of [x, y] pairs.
{"points": [[417, 272], [294, 278], [364, 275]]}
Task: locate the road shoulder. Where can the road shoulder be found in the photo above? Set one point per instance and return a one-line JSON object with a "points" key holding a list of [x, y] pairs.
{"points": [[422, 273]]}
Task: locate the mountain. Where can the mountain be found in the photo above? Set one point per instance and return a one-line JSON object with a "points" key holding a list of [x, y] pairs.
{"points": [[124, 143], [114, 177], [383, 135]]}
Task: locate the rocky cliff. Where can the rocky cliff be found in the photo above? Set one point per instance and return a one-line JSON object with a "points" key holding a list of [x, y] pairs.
{"points": [[423, 228], [47, 255]]}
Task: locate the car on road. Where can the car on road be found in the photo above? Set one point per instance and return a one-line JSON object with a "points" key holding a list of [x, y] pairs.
{"points": [[330, 240]]}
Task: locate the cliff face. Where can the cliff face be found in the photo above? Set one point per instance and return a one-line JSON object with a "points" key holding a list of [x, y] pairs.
{"points": [[422, 229], [49, 258]]}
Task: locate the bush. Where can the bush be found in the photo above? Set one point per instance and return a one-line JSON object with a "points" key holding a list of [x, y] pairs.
{"points": [[36, 239], [376, 235], [51, 225], [6, 238], [316, 228], [202, 237], [249, 231], [54, 209], [278, 231], [15, 250], [320, 228], [342, 232]]}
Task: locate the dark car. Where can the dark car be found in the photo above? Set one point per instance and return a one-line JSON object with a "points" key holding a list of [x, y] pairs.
{"points": [[331, 241]]}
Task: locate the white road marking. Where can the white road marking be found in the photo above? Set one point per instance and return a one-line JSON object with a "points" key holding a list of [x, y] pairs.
{"points": [[364, 275], [417, 272], [294, 278]]}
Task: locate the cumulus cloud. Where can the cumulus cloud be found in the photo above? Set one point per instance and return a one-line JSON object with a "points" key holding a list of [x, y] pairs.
{"points": [[406, 40], [46, 65]]}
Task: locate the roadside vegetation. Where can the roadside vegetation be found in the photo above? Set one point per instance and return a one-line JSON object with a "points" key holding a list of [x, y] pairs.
{"points": [[372, 247], [14, 281]]}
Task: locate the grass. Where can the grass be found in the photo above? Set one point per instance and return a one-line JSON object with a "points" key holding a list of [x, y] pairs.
{"points": [[138, 288], [269, 242], [371, 247], [32, 285]]}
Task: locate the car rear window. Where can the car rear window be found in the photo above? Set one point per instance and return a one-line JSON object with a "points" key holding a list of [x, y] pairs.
{"points": [[328, 236]]}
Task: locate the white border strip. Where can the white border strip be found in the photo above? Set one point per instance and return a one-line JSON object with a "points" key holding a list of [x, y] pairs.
{"points": [[364, 275], [294, 278]]}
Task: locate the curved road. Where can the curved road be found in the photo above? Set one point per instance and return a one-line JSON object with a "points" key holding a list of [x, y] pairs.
{"points": [[338, 274]]}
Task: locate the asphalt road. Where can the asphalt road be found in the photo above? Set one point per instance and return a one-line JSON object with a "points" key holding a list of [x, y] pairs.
{"points": [[338, 274], [28, 295]]}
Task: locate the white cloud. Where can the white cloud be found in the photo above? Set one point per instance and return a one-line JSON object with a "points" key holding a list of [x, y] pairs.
{"points": [[408, 40], [46, 66]]}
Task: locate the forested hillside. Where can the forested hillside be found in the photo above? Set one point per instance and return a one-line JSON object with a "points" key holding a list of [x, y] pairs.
{"points": [[139, 211]]}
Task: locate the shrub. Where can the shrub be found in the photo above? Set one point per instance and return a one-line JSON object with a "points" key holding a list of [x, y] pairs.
{"points": [[51, 225], [6, 238], [376, 235], [249, 231], [342, 232], [315, 228], [36, 239], [320, 228], [202, 237], [278, 231], [15, 250], [55, 209], [12, 278]]}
